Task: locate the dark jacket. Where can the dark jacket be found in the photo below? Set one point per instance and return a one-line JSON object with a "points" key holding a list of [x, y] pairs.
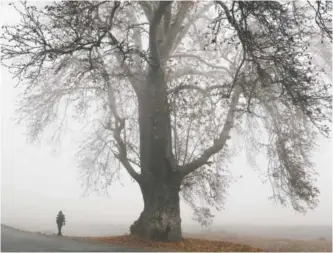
{"points": [[61, 220]]}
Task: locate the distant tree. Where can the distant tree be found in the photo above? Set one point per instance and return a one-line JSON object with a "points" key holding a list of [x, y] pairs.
{"points": [[162, 87]]}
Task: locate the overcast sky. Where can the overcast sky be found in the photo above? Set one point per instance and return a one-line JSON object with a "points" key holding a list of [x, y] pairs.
{"points": [[37, 182]]}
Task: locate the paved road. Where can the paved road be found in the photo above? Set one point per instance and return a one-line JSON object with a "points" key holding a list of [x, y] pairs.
{"points": [[13, 240]]}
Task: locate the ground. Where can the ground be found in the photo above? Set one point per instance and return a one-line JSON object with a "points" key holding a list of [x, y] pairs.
{"points": [[188, 245], [215, 242], [272, 244], [16, 240]]}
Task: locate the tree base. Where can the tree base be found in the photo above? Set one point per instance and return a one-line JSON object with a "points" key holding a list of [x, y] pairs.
{"points": [[160, 219], [158, 228]]}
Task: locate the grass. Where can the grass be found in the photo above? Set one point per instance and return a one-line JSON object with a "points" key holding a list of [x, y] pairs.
{"points": [[271, 244]]}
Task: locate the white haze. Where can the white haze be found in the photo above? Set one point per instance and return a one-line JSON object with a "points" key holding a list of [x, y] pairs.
{"points": [[37, 182]]}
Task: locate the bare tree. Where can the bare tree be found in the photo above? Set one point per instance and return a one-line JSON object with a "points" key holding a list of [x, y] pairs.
{"points": [[163, 86]]}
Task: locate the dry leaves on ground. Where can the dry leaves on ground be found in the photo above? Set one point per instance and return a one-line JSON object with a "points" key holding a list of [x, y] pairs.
{"points": [[188, 245], [270, 244]]}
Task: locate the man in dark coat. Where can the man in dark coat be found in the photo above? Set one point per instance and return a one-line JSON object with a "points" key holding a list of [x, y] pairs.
{"points": [[61, 221]]}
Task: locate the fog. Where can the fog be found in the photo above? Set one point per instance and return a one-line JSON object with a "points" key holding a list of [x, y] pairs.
{"points": [[39, 180]]}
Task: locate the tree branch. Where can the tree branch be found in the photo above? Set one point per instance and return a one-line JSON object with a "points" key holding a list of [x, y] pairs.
{"points": [[147, 8], [156, 20], [220, 142], [119, 126], [175, 28], [201, 60], [122, 156], [194, 87], [190, 71], [184, 31]]}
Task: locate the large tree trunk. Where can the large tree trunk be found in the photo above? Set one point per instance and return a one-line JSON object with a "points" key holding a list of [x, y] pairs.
{"points": [[160, 219], [159, 180]]}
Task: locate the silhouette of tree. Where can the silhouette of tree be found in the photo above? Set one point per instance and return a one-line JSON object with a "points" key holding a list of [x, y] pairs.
{"points": [[163, 86]]}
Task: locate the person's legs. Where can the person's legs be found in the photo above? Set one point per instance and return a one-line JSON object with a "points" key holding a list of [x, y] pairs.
{"points": [[59, 230]]}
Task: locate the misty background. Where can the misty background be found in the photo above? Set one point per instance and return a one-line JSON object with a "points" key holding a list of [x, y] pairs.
{"points": [[39, 180]]}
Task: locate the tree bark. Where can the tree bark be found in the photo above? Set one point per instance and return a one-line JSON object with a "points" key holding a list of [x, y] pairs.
{"points": [[159, 179], [160, 219]]}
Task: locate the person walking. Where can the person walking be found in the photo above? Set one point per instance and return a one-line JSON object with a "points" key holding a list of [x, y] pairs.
{"points": [[61, 221]]}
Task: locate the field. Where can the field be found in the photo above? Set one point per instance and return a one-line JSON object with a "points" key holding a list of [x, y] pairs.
{"points": [[241, 238], [214, 242], [271, 244], [220, 238]]}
